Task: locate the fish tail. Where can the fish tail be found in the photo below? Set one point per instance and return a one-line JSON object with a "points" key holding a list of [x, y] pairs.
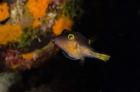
{"points": [[103, 57]]}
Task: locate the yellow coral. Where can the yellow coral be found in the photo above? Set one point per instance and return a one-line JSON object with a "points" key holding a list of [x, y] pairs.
{"points": [[14, 66], [4, 11], [9, 33], [36, 23], [61, 24], [28, 56], [38, 9]]}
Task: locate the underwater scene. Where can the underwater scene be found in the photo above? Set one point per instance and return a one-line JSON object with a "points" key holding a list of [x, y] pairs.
{"points": [[67, 46]]}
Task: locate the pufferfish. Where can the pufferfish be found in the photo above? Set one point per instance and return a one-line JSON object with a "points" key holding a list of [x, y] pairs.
{"points": [[77, 47]]}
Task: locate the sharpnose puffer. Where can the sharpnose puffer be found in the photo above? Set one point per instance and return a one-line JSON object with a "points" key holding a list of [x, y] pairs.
{"points": [[76, 46]]}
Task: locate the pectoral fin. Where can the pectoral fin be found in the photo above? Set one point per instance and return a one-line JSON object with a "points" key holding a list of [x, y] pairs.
{"points": [[67, 56], [82, 61]]}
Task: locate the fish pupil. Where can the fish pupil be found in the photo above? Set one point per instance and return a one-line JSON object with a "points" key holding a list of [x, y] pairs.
{"points": [[71, 36]]}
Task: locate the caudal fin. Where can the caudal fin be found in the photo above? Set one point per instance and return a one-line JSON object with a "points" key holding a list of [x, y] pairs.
{"points": [[103, 57]]}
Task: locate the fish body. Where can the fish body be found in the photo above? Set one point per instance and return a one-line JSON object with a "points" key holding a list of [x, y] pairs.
{"points": [[76, 46]]}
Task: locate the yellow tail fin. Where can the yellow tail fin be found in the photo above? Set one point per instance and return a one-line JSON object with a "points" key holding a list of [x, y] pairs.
{"points": [[101, 56]]}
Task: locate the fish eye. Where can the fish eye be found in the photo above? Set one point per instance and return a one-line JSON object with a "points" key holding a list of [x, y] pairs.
{"points": [[71, 36]]}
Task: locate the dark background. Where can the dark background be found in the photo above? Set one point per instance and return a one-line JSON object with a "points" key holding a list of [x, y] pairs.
{"points": [[114, 24]]}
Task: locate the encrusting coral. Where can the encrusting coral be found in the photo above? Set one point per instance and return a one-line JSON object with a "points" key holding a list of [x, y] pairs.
{"points": [[61, 24], [10, 33], [4, 11], [38, 9]]}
